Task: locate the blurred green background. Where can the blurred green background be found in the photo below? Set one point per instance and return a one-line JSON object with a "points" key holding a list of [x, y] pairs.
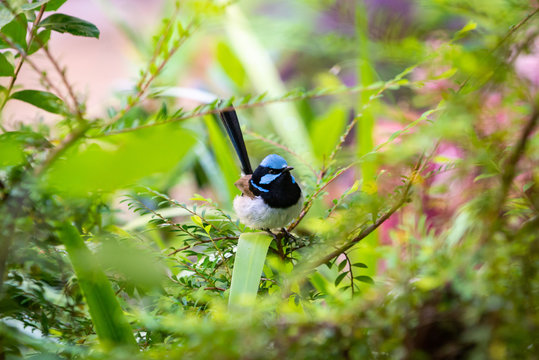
{"points": [[417, 118]]}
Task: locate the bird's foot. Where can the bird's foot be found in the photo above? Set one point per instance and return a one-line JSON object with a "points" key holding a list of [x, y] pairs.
{"points": [[273, 235], [288, 235]]}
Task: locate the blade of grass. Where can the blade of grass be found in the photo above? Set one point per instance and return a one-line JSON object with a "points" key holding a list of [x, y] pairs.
{"points": [[229, 170], [365, 135], [265, 78], [109, 321], [250, 258]]}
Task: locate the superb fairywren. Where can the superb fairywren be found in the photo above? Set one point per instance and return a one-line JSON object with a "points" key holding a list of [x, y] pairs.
{"points": [[270, 197]]}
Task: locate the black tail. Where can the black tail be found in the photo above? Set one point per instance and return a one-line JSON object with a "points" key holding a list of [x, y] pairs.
{"points": [[232, 126]]}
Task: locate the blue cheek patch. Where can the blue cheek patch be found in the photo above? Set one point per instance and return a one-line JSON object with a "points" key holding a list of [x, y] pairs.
{"points": [[258, 187], [266, 179]]}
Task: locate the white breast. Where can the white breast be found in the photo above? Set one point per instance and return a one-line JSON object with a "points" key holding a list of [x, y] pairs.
{"points": [[255, 213]]}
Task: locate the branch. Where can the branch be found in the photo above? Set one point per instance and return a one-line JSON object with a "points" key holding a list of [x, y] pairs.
{"points": [[248, 102], [30, 62], [510, 167], [363, 234], [58, 151], [143, 84], [69, 88], [21, 61], [509, 175]]}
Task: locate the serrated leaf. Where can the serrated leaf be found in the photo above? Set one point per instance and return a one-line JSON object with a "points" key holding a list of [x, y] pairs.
{"points": [[41, 99], [340, 278], [6, 68], [365, 279], [63, 23]]}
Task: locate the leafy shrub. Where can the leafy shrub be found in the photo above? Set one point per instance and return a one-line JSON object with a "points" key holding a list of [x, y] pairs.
{"points": [[417, 154]]}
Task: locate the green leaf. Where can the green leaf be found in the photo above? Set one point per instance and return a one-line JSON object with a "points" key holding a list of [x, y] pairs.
{"points": [[33, 5], [224, 155], [230, 64], [110, 323], [5, 15], [16, 32], [65, 23], [365, 279], [360, 265], [327, 130], [340, 278], [248, 265], [11, 150], [342, 264], [55, 4], [6, 68], [42, 99], [41, 40], [119, 161]]}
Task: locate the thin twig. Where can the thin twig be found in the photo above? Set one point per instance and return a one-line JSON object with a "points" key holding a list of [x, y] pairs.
{"points": [[508, 175], [21, 61], [31, 63], [144, 85], [350, 272], [302, 96], [200, 243], [71, 92]]}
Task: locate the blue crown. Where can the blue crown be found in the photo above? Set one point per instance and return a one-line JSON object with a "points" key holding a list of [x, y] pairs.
{"points": [[274, 161]]}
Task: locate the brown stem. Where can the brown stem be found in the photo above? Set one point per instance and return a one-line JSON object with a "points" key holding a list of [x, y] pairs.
{"points": [[31, 63], [365, 232], [69, 88], [144, 85], [509, 174], [299, 97], [21, 61]]}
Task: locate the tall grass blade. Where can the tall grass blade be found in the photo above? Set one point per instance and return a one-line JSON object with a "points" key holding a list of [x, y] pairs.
{"points": [[265, 78], [366, 253], [110, 324], [250, 258]]}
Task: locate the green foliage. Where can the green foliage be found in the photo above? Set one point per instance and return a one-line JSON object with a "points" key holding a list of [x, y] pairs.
{"points": [[109, 321], [42, 99], [418, 234], [65, 23]]}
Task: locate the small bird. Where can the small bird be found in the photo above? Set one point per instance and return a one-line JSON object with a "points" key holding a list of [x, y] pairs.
{"points": [[271, 197]]}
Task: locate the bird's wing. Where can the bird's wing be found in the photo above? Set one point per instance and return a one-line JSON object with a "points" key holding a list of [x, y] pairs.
{"points": [[232, 126], [243, 185]]}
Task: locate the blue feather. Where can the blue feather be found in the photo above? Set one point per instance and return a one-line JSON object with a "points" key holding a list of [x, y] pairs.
{"points": [[266, 179], [258, 187], [274, 161]]}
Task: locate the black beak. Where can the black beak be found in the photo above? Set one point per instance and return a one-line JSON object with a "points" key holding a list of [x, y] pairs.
{"points": [[288, 168]]}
